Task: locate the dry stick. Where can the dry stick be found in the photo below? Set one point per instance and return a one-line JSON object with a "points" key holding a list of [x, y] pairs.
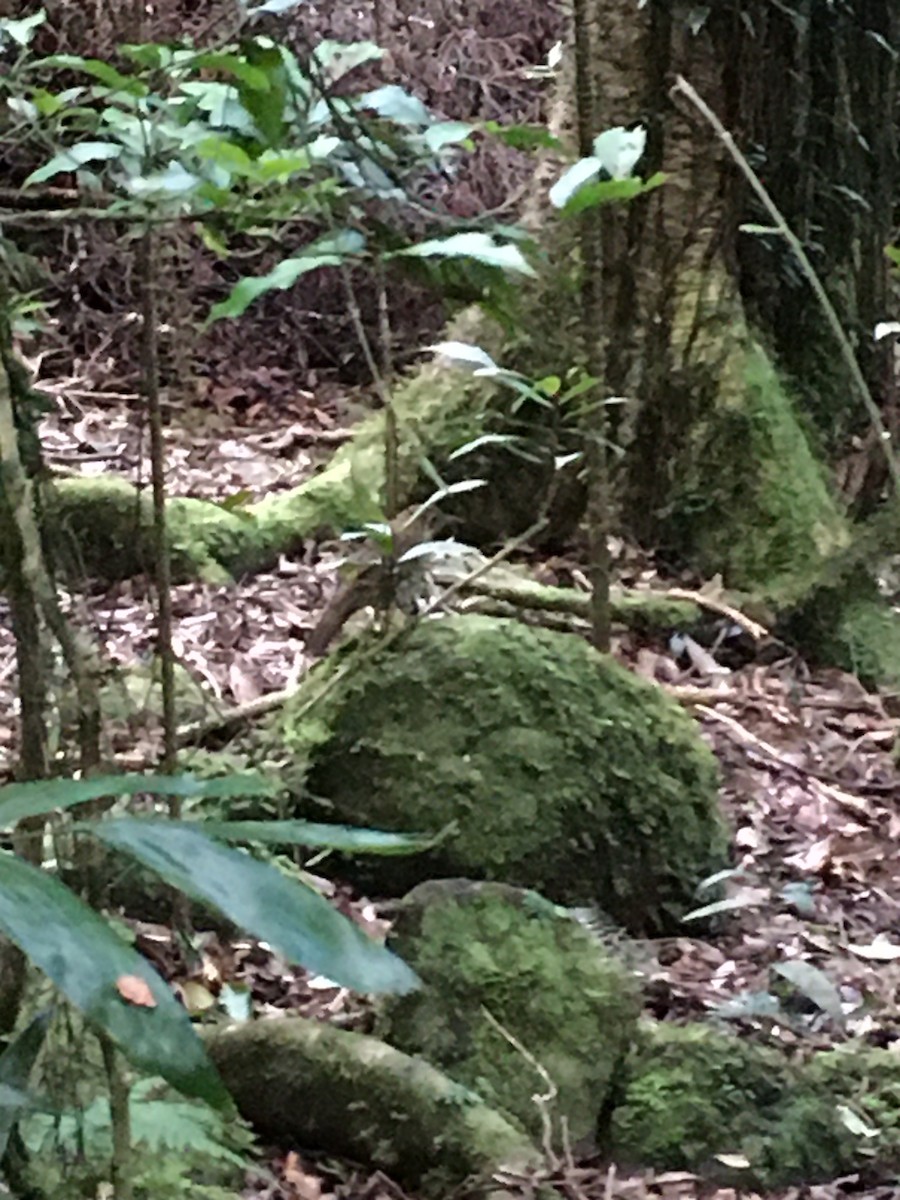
{"points": [[808, 270], [767, 750]]}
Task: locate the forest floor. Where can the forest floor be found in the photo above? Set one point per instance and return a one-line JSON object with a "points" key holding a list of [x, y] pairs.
{"points": [[810, 783]]}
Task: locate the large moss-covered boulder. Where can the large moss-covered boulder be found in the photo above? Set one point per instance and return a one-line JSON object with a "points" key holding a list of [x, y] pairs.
{"points": [[730, 1109], [546, 764], [520, 1003]]}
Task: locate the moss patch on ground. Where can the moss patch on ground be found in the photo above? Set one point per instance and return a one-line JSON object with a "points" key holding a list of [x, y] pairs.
{"points": [[545, 765], [705, 1101]]}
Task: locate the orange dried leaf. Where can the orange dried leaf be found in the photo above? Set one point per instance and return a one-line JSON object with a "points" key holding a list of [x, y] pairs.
{"points": [[135, 990]]}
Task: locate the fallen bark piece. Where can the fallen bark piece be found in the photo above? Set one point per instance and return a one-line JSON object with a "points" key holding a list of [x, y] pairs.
{"points": [[306, 1083]]}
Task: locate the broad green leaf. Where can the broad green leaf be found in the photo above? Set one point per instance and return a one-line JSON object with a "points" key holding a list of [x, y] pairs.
{"points": [[174, 180], [274, 166], [22, 29], [226, 153], [480, 246], [18, 800], [396, 105], [299, 922], [337, 59], [345, 838], [151, 55], [572, 179], [610, 191], [16, 1064], [266, 108], [893, 253], [327, 252], [233, 64], [79, 952], [523, 137], [99, 70], [461, 353], [814, 984], [446, 133], [73, 158]]}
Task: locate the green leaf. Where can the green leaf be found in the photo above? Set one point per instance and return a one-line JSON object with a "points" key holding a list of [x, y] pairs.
{"points": [[479, 246], [814, 984], [327, 252], [345, 838], [893, 253], [747, 898], [338, 59], [174, 180], [18, 800], [464, 354], [226, 153], [452, 489], [397, 105], [610, 191], [486, 439], [233, 64], [23, 29], [573, 178], [446, 133], [274, 6], [73, 158], [523, 137], [266, 107], [299, 922], [16, 1064], [79, 952], [99, 70]]}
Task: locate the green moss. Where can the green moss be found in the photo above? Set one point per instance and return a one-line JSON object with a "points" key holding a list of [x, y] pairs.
{"points": [[557, 769], [514, 993], [310, 1084], [695, 1095], [752, 501]]}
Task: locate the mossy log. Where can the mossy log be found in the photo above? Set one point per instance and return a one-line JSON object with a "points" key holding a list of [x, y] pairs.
{"points": [[308, 1084]]}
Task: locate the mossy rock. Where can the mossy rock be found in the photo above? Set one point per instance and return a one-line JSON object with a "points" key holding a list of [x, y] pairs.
{"points": [[546, 765], [700, 1100], [519, 1001]]}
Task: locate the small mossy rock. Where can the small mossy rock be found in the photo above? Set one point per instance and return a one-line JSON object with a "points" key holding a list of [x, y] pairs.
{"points": [[552, 767], [704, 1101], [510, 981]]}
